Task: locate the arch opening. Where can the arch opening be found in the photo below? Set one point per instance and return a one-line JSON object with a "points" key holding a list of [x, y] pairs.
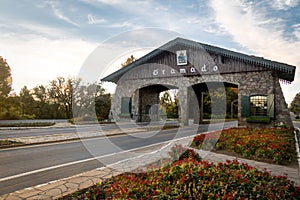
{"points": [[153, 103], [206, 102]]}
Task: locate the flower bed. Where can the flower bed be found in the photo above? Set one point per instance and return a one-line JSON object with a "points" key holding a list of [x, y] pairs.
{"points": [[191, 178], [274, 144]]}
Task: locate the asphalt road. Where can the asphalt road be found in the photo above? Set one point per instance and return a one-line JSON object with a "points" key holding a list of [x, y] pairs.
{"points": [[28, 166], [6, 133]]}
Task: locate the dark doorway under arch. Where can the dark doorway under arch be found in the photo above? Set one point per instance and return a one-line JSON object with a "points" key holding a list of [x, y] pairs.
{"points": [[211, 101], [149, 102]]}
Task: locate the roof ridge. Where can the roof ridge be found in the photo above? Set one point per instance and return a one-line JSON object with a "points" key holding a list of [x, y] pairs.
{"points": [[286, 71]]}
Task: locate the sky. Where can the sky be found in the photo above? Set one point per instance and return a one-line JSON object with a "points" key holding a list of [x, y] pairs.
{"points": [[44, 39]]}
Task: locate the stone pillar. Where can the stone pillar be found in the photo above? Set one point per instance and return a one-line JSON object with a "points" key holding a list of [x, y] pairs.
{"points": [[194, 106], [148, 104], [135, 106], [184, 107]]}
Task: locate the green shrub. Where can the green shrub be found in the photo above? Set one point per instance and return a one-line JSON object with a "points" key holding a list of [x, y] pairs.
{"points": [[265, 120], [275, 144]]}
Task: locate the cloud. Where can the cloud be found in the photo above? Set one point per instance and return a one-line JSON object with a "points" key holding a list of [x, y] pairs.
{"points": [[120, 25], [283, 4], [93, 20], [61, 16], [247, 25], [296, 31], [23, 27], [37, 60]]}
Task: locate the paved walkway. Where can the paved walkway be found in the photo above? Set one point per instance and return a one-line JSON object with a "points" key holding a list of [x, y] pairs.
{"points": [[148, 155], [79, 134], [73, 136]]}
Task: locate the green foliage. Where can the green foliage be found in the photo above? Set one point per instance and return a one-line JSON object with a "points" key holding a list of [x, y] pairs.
{"points": [[259, 119], [192, 179], [31, 124], [55, 101], [169, 106], [295, 105], [102, 106], [276, 145], [91, 99], [9, 143], [219, 97], [189, 154], [8, 106], [60, 92], [27, 103], [5, 79]]}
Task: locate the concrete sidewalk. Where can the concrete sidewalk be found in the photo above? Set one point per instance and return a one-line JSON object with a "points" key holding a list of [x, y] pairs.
{"points": [[77, 135], [142, 157], [73, 136]]}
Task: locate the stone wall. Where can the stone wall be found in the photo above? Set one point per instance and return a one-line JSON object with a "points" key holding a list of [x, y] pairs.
{"points": [[148, 104], [249, 83]]}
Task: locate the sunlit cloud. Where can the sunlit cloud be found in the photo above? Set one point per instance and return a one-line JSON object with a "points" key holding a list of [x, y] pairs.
{"points": [[35, 61], [254, 27], [246, 25], [61, 16], [284, 4]]}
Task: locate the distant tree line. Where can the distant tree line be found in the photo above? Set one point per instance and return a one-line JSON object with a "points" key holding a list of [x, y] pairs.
{"points": [[65, 98], [169, 106], [57, 100], [295, 106]]}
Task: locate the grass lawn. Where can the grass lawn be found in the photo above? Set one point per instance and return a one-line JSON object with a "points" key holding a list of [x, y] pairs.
{"points": [[9, 143], [31, 124]]}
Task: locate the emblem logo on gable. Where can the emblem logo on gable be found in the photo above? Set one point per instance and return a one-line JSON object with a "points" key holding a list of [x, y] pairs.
{"points": [[181, 57]]}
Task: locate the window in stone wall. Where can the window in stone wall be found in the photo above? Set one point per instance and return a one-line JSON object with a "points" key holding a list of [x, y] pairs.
{"points": [[258, 105]]}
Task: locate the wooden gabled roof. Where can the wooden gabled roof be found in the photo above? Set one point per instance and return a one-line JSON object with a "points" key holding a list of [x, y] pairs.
{"points": [[285, 71]]}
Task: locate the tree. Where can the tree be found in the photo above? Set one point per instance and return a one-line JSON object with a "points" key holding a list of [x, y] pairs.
{"points": [[5, 79], [102, 103], [42, 102], [169, 106], [8, 105], [11, 109], [27, 103], [129, 60], [90, 99], [60, 92], [295, 105], [216, 98]]}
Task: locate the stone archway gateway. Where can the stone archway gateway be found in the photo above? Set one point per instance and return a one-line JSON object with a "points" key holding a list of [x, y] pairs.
{"points": [[191, 66]]}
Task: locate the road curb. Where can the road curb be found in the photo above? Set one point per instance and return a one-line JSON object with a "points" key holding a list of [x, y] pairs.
{"points": [[23, 141]]}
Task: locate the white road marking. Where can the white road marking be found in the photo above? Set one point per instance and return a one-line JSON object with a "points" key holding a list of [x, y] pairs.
{"points": [[85, 160]]}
